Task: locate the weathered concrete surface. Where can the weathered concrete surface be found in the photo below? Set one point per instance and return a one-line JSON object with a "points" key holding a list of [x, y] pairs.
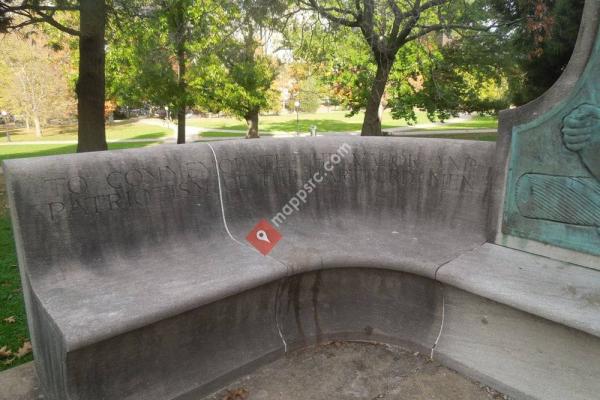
{"points": [[344, 371], [524, 356], [407, 204], [129, 247], [20, 383], [561, 292]]}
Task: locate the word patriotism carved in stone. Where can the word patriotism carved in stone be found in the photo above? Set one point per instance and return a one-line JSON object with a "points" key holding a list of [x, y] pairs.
{"points": [[123, 189]]}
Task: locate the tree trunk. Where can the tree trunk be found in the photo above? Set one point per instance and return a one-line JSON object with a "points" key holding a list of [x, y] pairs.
{"points": [[181, 109], [90, 85], [27, 124], [181, 126], [372, 122], [252, 121], [38, 126]]}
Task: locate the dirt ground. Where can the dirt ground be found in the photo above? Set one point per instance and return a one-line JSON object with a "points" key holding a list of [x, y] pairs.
{"points": [[348, 371]]}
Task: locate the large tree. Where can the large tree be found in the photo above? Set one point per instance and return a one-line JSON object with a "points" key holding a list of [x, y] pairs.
{"points": [[16, 14], [387, 26], [240, 75], [153, 44], [34, 82]]}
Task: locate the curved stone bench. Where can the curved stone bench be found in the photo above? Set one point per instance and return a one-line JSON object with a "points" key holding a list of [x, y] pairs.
{"points": [[114, 243], [140, 284]]}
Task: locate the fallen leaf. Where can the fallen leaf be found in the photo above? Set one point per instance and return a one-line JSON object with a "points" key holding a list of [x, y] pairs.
{"points": [[237, 394], [10, 320], [24, 350], [5, 352]]}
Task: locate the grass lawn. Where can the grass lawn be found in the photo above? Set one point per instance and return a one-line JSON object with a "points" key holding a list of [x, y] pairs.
{"points": [[120, 130], [13, 325], [231, 135], [477, 122], [38, 150], [335, 121], [485, 137]]}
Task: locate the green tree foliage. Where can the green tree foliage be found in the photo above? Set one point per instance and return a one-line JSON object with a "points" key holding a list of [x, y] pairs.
{"points": [[139, 67], [444, 72], [389, 43], [151, 47], [541, 42], [183, 53], [337, 57], [305, 84], [309, 94], [239, 77], [448, 76], [236, 84]]}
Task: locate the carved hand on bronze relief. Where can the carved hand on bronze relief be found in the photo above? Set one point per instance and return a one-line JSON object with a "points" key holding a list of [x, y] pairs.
{"points": [[581, 134]]}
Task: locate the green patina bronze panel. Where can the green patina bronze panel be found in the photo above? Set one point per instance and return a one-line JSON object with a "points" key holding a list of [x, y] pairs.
{"points": [[553, 188]]}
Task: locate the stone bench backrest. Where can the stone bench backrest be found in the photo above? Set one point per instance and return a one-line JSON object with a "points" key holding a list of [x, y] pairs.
{"points": [[81, 209]]}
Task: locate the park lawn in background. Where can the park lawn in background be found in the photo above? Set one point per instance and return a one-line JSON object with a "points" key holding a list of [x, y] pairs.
{"points": [[38, 150], [334, 121], [228, 135], [116, 131], [232, 135], [13, 324], [476, 122], [484, 137]]}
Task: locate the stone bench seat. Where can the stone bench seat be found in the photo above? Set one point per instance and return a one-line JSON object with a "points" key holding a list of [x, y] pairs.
{"points": [[131, 293], [140, 283], [88, 306], [565, 293]]}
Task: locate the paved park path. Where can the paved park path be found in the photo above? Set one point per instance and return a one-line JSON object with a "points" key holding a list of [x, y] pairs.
{"points": [[194, 134]]}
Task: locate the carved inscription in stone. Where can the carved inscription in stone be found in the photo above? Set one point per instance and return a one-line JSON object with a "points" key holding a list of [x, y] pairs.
{"points": [[404, 169], [413, 181], [123, 189]]}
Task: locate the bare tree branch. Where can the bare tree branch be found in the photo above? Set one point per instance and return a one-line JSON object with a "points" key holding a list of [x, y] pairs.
{"points": [[424, 30], [327, 12], [38, 13]]}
